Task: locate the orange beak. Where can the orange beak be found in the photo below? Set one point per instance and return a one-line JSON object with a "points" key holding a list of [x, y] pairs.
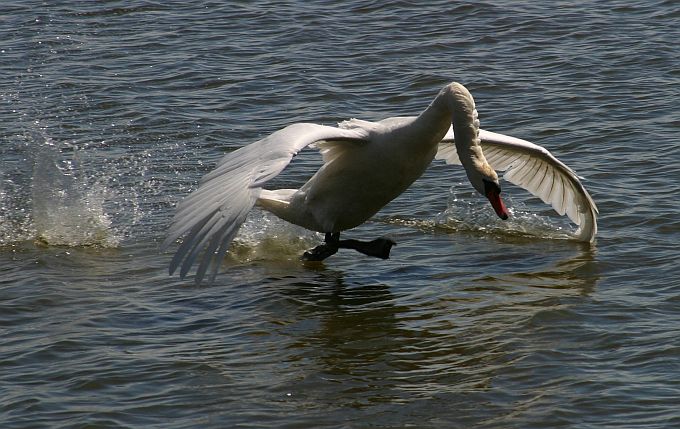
{"points": [[494, 197]]}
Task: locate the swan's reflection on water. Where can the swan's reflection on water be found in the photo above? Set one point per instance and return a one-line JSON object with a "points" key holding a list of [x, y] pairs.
{"points": [[354, 345]]}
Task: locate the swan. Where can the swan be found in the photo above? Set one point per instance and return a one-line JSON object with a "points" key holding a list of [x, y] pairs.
{"points": [[365, 166]]}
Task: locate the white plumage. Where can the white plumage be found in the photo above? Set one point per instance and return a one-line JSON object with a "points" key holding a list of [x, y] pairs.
{"points": [[366, 165]]}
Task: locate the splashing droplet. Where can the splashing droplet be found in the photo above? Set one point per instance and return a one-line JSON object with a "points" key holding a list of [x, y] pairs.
{"points": [[67, 209]]}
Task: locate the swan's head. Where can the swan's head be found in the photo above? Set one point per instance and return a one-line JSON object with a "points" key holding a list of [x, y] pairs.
{"points": [[485, 180], [492, 191]]}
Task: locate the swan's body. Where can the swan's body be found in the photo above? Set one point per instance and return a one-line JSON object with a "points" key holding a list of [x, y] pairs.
{"points": [[366, 165], [389, 166]]}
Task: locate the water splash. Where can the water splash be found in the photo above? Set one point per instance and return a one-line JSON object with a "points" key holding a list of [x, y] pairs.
{"points": [[263, 236], [63, 194], [67, 206], [467, 212], [15, 218]]}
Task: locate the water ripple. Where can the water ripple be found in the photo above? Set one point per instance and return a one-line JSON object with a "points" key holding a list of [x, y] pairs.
{"points": [[114, 110]]}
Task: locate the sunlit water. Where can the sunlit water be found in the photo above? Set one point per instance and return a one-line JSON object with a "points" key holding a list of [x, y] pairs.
{"points": [[112, 111]]}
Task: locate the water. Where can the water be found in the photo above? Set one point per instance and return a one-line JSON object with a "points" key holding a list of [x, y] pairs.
{"points": [[112, 111]]}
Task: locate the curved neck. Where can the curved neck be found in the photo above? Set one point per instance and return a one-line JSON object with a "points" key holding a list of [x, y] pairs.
{"points": [[454, 105]]}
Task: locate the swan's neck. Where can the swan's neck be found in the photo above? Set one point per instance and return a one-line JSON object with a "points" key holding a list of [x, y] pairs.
{"points": [[454, 105], [465, 122]]}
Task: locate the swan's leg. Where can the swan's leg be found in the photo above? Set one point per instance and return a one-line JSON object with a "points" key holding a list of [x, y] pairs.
{"points": [[323, 251], [378, 248]]}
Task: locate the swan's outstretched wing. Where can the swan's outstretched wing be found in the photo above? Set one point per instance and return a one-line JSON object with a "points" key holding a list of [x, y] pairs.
{"points": [[535, 169], [210, 217]]}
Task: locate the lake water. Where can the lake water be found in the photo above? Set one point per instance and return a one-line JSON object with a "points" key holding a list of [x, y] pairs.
{"points": [[111, 111]]}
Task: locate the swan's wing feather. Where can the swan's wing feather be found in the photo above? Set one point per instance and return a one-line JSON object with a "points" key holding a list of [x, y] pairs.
{"points": [[447, 151], [535, 169], [331, 149], [209, 218]]}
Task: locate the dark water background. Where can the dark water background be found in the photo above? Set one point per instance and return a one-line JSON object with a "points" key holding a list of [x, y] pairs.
{"points": [[110, 111]]}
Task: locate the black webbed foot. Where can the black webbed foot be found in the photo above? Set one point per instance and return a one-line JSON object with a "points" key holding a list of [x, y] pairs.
{"points": [[319, 253], [323, 251], [378, 248]]}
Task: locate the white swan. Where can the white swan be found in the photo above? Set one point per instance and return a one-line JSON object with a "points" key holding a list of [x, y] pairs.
{"points": [[366, 165]]}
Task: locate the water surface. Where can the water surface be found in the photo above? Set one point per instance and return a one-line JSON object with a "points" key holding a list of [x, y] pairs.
{"points": [[113, 110]]}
